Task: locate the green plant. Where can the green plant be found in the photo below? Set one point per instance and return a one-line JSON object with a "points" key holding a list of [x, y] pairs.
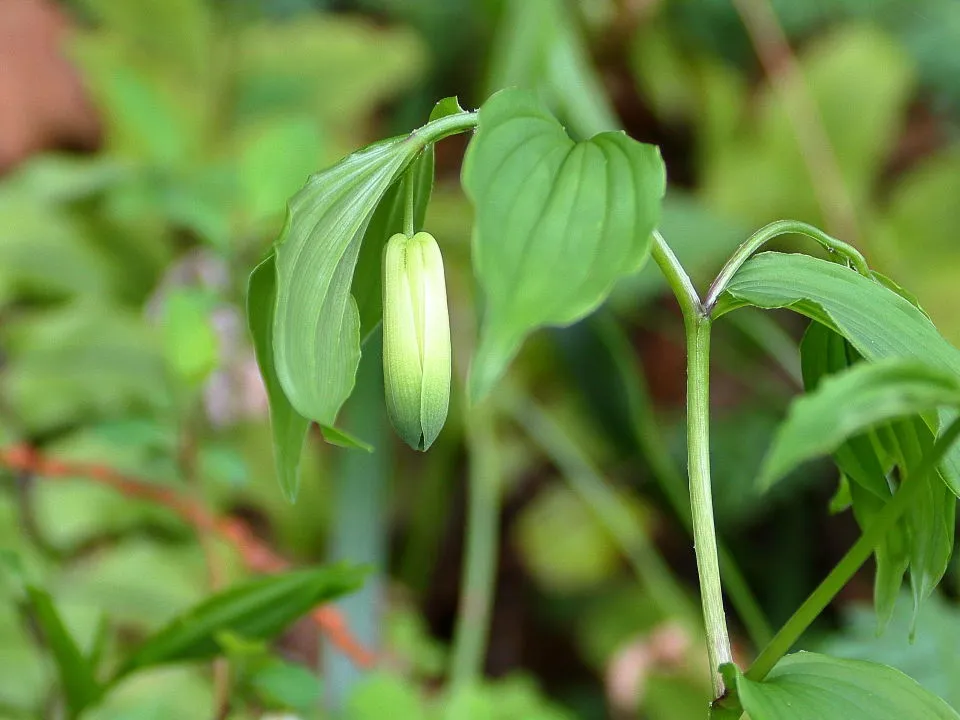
{"points": [[558, 222]]}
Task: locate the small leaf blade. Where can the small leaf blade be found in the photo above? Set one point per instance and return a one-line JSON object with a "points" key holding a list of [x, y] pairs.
{"points": [[80, 686], [288, 426], [257, 610], [852, 402]]}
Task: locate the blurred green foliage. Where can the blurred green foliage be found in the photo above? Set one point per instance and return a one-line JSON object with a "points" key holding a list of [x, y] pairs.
{"points": [[122, 338]]}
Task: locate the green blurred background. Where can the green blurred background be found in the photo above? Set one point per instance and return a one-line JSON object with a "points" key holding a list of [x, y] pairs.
{"points": [[147, 148]]}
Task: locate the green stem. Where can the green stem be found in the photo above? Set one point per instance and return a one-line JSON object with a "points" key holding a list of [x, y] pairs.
{"points": [[701, 498], [653, 446], [436, 130], [479, 571], [697, 329], [676, 276], [594, 490], [767, 233], [853, 560]]}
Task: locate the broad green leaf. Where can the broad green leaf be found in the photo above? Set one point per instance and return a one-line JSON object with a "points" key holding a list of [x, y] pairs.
{"points": [[810, 686], [80, 687], [558, 222], [316, 325], [851, 402], [289, 427], [878, 322], [256, 610]]}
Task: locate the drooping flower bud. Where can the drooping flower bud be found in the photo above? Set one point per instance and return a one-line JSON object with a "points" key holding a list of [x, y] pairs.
{"points": [[416, 338]]}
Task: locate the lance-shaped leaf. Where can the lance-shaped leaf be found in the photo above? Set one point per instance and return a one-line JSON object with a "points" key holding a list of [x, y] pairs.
{"points": [[810, 686], [80, 686], [558, 222], [877, 321], [288, 426], [869, 417], [316, 327], [849, 403], [257, 610], [863, 461]]}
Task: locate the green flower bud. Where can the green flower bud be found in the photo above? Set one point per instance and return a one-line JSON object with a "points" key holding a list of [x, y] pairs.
{"points": [[416, 338]]}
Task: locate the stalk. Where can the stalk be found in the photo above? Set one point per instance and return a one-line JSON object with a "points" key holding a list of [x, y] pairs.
{"points": [[478, 580], [697, 329]]}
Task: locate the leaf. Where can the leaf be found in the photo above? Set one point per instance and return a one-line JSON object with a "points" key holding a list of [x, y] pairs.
{"points": [[259, 609], [851, 402], [316, 325], [930, 519], [80, 687], [877, 322], [557, 222], [343, 439], [79, 362], [810, 686], [923, 538], [288, 426]]}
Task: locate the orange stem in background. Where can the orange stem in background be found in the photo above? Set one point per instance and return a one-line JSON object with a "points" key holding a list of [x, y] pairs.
{"points": [[256, 555]]}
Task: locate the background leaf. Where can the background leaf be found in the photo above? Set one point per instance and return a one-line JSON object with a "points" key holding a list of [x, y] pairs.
{"points": [[557, 222], [930, 658], [80, 687], [256, 610]]}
